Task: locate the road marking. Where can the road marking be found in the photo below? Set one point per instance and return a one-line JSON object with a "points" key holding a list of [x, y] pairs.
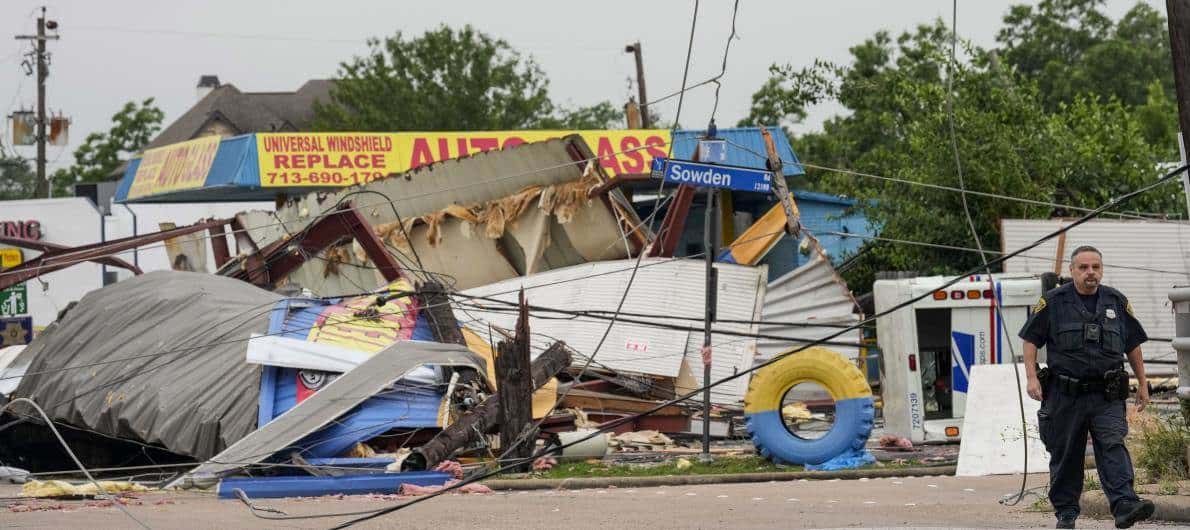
{"points": [[969, 489], [792, 500], [723, 496], [931, 485], [758, 498], [897, 482], [869, 502], [911, 504], [691, 494]]}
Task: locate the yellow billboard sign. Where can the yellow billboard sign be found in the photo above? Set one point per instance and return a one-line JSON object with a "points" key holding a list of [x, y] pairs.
{"points": [[345, 159], [174, 167], [325, 159]]}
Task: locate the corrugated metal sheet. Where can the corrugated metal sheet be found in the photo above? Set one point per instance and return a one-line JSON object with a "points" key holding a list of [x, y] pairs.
{"points": [[1143, 259], [662, 287], [593, 234], [811, 294], [334, 400], [745, 147]]}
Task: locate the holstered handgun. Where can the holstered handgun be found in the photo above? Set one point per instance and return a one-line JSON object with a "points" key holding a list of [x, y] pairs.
{"points": [[1043, 377], [1115, 384]]}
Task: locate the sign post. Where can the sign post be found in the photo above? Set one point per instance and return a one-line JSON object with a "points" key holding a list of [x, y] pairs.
{"points": [[727, 177]]}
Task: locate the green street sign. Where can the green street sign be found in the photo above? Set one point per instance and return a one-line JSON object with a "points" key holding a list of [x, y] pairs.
{"points": [[14, 301]]}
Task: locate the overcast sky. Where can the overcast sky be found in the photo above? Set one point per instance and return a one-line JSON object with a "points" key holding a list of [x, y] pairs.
{"points": [[111, 52]]}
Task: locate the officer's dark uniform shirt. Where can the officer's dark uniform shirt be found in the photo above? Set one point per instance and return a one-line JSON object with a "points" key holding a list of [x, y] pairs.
{"points": [[1066, 349]]}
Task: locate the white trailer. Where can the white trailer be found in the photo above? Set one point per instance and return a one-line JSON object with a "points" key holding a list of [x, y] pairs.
{"points": [[929, 347]]}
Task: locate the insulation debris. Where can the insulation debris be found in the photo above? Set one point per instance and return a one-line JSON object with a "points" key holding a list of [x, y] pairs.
{"points": [[61, 488]]}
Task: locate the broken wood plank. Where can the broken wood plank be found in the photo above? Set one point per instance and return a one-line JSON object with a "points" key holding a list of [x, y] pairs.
{"points": [[485, 417]]}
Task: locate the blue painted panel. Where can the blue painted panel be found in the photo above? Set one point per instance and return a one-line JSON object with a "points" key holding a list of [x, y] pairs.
{"points": [[278, 487], [745, 147], [965, 343], [406, 406]]}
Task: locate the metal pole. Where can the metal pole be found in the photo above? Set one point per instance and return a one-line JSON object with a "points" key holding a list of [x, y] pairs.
{"points": [[711, 287], [634, 49]]}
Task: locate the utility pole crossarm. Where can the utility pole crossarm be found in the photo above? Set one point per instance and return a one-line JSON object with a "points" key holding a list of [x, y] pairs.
{"points": [[42, 189]]}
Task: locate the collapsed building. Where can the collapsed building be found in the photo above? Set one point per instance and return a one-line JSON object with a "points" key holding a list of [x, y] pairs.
{"points": [[406, 285]]}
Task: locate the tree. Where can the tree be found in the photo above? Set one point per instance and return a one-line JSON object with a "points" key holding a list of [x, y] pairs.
{"points": [[448, 79], [17, 178], [1072, 48], [1080, 152], [102, 152], [602, 115]]}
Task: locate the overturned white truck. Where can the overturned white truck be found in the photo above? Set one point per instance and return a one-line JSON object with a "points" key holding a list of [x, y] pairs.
{"points": [[929, 347]]}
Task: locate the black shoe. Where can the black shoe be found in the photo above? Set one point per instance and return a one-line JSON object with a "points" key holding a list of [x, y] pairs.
{"points": [[1137, 511], [1066, 521]]}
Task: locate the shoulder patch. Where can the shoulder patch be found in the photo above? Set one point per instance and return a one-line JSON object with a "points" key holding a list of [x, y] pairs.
{"points": [[1040, 305], [1128, 308]]}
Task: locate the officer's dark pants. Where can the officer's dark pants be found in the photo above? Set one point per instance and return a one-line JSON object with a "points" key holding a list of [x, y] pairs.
{"points": [[1064, 422]]}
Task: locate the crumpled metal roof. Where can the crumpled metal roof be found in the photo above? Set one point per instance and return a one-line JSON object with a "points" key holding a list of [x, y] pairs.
{"points": [[808, 303], [528, 241]]}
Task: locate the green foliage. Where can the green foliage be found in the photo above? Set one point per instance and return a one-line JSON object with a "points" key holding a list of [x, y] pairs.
{"points": [[746, 464], [1168, 487], [1160, 449], [603, 115], [1072, 48], [17, 178], [448, 79], [102, 152], [1039, 118], [1091, 482]]}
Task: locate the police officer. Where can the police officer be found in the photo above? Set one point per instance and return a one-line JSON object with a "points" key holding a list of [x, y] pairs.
{"points": [[1087, 330]]}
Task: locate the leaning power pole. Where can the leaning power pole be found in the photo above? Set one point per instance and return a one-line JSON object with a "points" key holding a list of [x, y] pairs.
{"points": [[634, 49], [42, 59]]}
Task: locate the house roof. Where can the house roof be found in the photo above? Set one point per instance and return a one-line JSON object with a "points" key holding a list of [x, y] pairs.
{"points": [[248, 111]]}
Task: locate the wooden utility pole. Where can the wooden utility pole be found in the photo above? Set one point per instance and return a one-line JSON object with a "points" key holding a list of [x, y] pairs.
{"points": [[485, 417], [43, 184], [1178, 18], [515, 381], [634, 49]]}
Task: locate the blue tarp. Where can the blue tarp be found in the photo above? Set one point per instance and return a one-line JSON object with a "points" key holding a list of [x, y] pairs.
{"points": [[848, 460]]}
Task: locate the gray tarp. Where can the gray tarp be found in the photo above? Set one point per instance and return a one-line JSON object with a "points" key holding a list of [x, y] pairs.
{"points": [[172, 346]]}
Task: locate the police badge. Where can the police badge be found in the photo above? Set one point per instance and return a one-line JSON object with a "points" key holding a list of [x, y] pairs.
{"points": [[1111, 313]]}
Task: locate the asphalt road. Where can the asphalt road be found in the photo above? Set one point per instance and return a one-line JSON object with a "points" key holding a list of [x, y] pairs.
{"points": [[893, 502]]}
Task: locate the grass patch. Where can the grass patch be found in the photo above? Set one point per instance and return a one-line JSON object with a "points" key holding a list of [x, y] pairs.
{"points": [[1091, 483], [1160, 448], [1042, 504], [721, 465], [1167, 487]]}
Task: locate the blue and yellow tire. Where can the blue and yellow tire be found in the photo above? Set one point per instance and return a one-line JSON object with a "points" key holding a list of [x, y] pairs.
{"points": [[854, 410]]}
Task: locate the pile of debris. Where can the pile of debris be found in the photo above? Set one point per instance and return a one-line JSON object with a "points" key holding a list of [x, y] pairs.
{"points": [[376, 384]]}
